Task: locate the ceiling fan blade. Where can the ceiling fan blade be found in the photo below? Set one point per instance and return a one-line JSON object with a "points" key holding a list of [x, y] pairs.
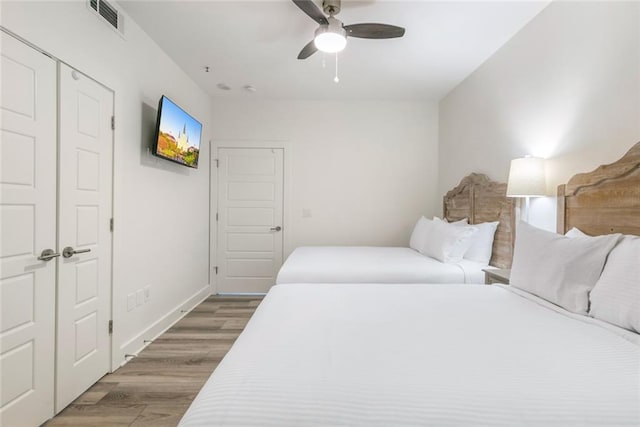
{"points": [[374, 31], [310, 8], [308, 50]]}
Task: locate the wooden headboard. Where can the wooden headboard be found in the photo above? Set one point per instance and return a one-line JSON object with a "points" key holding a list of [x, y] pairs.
{"points": [[604, 201], [482, 200]]}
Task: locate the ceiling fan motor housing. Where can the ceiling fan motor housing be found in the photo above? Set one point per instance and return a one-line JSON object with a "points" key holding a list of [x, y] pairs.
{"points": [[331, 7]]}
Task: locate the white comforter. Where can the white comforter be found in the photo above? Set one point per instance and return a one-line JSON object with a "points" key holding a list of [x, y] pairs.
{"points": [[387, 355], [372, 264]]}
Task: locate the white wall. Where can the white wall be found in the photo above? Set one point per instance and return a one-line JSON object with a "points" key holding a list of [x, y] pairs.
{"points": [[566, 87], [365, 170], [151, 196]]}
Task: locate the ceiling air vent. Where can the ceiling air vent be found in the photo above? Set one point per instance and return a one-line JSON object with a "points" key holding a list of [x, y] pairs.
{"points": [[109, 14]]}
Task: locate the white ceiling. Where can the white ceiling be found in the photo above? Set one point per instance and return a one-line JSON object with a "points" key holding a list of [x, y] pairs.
{"points": [[257, 43]]}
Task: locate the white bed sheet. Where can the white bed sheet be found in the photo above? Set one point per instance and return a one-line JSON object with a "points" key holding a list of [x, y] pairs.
{"points": [[386, 355], [373, 264]]}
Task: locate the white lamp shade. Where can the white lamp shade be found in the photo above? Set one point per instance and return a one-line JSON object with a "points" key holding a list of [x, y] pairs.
{"points": [[527, 178], [330, 42]]}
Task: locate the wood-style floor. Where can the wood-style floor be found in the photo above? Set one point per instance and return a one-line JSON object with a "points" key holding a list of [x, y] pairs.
{"points": [[157, 387]]}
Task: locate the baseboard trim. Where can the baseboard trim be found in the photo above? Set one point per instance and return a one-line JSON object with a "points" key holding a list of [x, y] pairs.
{"points": [[159, 327]]}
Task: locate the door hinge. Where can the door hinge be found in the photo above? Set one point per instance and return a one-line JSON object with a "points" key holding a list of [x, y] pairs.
{"points": [[216, 269], [110, 327], [217, 162], [216, 216], [113, 122], [111, 224]]}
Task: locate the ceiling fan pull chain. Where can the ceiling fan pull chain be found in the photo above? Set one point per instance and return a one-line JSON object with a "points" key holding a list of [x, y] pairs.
{"points": [[324, 60], [336, 79]]}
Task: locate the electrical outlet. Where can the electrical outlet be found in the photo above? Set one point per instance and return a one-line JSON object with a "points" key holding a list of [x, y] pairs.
{"points": [[139, 297], [147, 293], [131, 302]]}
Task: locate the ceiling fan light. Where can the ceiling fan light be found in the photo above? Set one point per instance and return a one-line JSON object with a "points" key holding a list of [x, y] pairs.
{"points": [[331, 38]]}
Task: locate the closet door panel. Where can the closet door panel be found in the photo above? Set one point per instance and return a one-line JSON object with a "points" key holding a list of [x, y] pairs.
{"points": [[84, 272], [27, 227]]}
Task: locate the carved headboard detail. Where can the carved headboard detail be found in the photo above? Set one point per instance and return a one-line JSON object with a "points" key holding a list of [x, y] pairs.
{"points": [[604, 201], [480, 199]]}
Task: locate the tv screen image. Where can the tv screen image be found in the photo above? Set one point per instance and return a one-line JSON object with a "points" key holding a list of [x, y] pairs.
{"points": [[177, 134]]}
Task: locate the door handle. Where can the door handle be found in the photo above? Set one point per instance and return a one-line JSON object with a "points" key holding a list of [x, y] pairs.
{"points": [[68, 252], [278, 228], [48, 255]]}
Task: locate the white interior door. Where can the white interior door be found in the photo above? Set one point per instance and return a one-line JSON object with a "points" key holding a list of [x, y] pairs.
{"points": [[27, 227], [84, 277], [250, 197]]}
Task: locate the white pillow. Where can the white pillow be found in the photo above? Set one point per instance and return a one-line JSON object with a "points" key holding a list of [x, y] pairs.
{"points": [[616, 296], [463, 221], [482, 247], [419, 234], [559, 269], [575, 232], [447, 242]]}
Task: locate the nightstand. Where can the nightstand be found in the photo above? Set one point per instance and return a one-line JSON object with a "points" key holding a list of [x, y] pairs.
{"points": [[496, 275]]}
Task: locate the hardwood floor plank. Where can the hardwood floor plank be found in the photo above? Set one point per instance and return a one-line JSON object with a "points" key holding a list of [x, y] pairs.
{"points": [[98, 415], [160, 416], [90, 397], [237, 324], [156, 388], [201, 321], [149, 397], [181, 344], [235, 312], [213, 335]]}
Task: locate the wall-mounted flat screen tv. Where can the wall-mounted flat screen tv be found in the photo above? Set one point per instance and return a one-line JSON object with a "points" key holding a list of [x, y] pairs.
{"points": [[177, 134]]}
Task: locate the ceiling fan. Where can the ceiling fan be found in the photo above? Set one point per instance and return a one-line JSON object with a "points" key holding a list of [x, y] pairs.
{"points": [[331, 35]]}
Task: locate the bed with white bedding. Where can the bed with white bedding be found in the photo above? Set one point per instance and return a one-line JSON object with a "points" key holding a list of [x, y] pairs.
{"points": [[477, 199], [370, 264], [378, 354]]}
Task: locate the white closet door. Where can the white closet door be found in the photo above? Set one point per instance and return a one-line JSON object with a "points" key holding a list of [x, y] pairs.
{"points": [[250, 216], [84, 277], [27, 227]]}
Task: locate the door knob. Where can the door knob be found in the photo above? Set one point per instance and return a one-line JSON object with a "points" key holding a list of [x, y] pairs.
{"points": [[278, 228], [68, 252], [48, 255]]}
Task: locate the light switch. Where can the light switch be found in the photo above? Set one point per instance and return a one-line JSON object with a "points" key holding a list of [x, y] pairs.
{"points": [[131, 302], [139, 297]]}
